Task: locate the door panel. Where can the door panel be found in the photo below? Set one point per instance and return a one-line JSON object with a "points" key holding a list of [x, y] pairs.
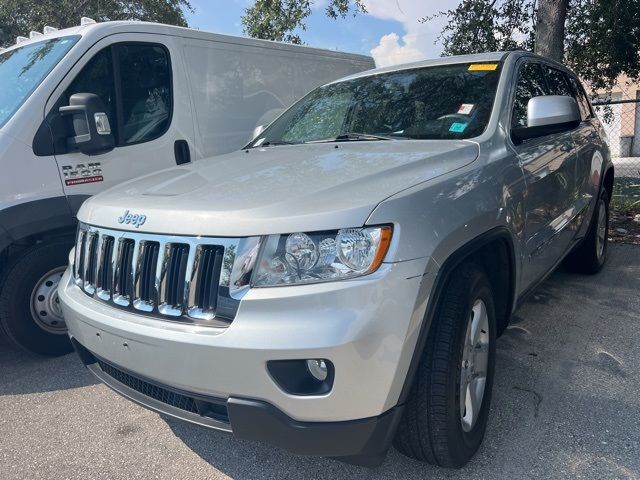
{"points": [[549, 167], [146, 98]]}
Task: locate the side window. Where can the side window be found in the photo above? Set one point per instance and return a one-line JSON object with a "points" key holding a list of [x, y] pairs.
{"points": [[558, 83], [145, 79], [133, 81], [97, 77], [581, 97], [530, 83]]}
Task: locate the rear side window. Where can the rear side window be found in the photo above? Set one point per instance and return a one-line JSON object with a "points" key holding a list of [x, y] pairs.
{"points": [[581, 97], [530, 83], [558, 82], [133, 81]]}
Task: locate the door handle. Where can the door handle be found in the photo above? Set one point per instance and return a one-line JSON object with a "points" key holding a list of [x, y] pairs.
{"points": [[181, 152]]}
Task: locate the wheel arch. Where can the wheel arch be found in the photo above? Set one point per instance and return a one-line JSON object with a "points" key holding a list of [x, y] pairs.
{"points": [[495, 245]]}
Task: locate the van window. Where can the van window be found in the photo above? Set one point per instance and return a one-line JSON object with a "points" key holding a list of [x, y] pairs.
{"points": [[22, 69], [133, 80], [145, 78], [97, 77]]}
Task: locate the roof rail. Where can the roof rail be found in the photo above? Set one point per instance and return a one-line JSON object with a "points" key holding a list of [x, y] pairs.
{"points": [[86, 21], [34, 34], [21, 39], [48, 29]]}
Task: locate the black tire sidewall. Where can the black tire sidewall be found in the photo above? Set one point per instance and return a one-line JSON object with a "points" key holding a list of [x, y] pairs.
{"points": [[19, 281], [604, 198], [465, 444]]}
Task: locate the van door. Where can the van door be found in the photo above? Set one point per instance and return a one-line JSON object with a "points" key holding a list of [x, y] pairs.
{"points": [[147, 105]]}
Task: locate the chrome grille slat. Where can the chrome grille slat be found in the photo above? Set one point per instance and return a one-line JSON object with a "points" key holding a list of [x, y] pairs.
{"points": [[203, 298], [89, 264], [174, 278], [104, 280], [123, 278], [145, 276], [78, 266]]}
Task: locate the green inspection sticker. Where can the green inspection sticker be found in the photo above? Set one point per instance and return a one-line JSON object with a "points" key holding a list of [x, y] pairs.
{"points": [[457, 127]]}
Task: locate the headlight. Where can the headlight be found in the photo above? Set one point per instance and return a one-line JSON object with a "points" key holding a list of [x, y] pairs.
{"points": [[321, 256]]}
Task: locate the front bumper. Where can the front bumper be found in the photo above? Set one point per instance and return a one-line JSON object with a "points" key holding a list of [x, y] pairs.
{"points": [[366, 327], [362, 442]]}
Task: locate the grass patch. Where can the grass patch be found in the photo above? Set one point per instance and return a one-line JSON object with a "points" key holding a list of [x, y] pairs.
{"points": [[626, 196]]}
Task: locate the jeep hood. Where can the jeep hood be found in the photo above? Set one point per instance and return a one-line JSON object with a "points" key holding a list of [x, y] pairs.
{"points": [[277, 189]]}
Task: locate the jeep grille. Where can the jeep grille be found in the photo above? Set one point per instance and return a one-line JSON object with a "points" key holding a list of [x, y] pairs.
{"points": [[170, 277]]}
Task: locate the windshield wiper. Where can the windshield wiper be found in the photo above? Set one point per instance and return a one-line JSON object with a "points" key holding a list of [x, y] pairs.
{"points": [[273, 143], [352, 136]]}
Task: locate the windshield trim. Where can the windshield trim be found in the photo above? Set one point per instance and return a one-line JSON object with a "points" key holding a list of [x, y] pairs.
{"points": [[74, 39]]}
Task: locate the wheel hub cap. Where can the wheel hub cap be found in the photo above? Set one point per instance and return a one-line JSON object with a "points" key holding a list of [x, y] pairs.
{"points": [[475, 360], [45, 304]]}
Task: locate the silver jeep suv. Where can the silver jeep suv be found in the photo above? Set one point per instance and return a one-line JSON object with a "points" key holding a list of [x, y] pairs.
{"points": [[339, 284]]}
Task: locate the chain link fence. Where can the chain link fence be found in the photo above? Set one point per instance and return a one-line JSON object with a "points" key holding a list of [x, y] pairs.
{"points": [[620, 117]]}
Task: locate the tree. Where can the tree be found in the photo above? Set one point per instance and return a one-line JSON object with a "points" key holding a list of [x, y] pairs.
{"points": [[280, 19], [598, 39], [19, 17], [552, 15]]}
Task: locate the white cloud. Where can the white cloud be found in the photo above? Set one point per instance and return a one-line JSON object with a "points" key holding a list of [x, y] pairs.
{"points": [[417, 41]]}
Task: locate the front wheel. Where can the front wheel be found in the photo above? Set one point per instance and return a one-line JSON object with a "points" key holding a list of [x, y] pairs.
{"points": [[448, 407], [30, 313]]}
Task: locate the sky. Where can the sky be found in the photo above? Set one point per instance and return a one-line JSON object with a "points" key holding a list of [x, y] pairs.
{"points": [[390, 31]]}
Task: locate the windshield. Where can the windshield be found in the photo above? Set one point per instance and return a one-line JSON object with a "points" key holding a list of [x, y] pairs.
{"points": [[23, 68], [444, 102]]}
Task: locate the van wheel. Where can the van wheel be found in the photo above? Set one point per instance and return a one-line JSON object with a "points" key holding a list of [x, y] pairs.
{"points": [[30, 313], [591, 254], [447, 410]]}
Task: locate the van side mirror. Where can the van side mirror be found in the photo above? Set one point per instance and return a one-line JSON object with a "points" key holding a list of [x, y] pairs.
{"points": [[547, 115], [90, 122]]}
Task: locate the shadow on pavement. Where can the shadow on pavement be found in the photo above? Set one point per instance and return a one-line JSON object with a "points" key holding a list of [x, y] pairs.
{"points": [[23, 373], [560, 402]]}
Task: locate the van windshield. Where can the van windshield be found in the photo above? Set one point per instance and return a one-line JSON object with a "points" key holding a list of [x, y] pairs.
{"points": [[440, 102], [23, 68]]}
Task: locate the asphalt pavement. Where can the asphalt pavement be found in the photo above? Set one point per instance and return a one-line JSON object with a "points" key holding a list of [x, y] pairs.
{"points": [[566, 405]]}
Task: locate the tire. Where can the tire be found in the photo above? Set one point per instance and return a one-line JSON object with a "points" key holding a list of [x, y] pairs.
{"points": [[29, 311], [433, 428], [591, 254]]}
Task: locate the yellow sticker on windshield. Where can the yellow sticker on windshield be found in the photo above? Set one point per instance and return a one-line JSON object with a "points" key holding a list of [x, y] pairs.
{"points": [[482, 67]]}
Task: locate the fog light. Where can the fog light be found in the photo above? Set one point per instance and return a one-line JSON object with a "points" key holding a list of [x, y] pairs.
{"points": [[318, 368]]}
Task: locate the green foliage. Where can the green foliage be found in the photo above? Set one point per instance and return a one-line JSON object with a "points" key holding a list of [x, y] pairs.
{"points": [[19, 17], [602, 37], [603, 40], [477, 26], [283, 20]]}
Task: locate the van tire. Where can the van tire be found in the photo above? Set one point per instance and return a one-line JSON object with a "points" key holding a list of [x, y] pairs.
{"points": [[33, 267], [431, 429], [591, 254]]}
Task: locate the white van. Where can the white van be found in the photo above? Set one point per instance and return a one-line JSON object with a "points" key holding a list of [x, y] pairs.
{"points": [[86, 108]]}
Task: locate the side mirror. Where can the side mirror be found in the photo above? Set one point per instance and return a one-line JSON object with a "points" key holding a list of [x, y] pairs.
{"points": [[90, 124], [547, 115]]}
